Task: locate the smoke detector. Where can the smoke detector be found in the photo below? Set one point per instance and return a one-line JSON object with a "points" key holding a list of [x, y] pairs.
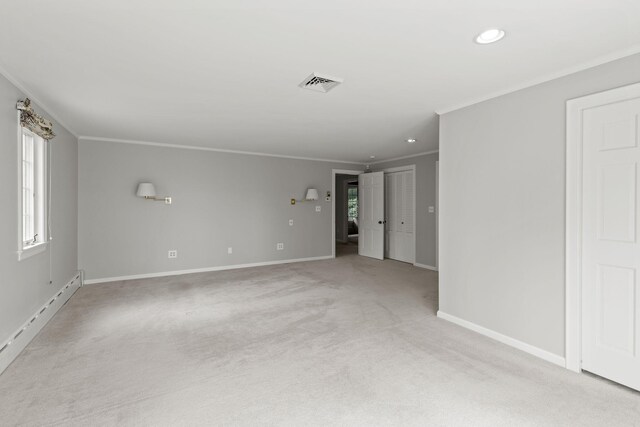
{"points": [[320, 82]]}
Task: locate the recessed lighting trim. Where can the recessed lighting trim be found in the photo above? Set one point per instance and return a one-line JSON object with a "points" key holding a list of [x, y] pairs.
{"points": [[411, 140], [372, 157], [491, 35]]}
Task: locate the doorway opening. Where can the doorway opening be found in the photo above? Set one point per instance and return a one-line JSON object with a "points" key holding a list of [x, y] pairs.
{"points": [[352, 212], [346, 214]]}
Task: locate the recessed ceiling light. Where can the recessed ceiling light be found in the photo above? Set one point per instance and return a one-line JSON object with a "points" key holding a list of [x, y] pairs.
{"points": [[490, 36], [411, 140], [372, 157]]}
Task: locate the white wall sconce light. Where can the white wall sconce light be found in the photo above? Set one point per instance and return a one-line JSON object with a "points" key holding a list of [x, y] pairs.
{"points": [[148, 192], [312, 194]]}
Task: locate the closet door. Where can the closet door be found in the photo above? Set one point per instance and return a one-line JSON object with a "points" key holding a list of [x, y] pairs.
{"points": [[399, 204], [390, 244], [407, 223]]}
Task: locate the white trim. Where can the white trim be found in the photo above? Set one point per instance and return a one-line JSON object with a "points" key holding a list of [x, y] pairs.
{"points": [[410, 156], [437, 213], [428, 267], [527, 348], [201, 148], [22, 251], [201, 270], [573, 225], [335, 172], [552, 76], [23, 336], [35, 100], [406, 168], [30, 251]]}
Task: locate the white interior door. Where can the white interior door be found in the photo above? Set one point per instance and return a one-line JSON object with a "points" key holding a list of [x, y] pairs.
{"points": [[399, 227], [611, 253], [371, 214]]}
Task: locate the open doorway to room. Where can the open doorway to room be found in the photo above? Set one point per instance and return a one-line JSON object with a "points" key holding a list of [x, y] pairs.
{"points": [[352, 212], [346, 214]]}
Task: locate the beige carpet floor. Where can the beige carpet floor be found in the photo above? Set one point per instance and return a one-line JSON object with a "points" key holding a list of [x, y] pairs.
{"points": [[350, 342]]}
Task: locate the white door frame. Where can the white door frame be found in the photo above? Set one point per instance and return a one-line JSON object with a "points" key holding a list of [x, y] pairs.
{"points": [[437, 212], [335, 172], [415, 220], [573, 250]]}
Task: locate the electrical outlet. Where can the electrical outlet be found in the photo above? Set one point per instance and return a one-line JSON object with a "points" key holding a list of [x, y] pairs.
{"points": [[229, 250], [280, 246], [432, 209], [173, 254], [291, 222], [318, 208]]}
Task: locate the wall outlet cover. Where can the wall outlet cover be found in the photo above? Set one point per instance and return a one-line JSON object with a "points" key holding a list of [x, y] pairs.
{"points": [[291, 222], [318, 208], [172, 254], [229, 250], [280, 246], [432, 209]]}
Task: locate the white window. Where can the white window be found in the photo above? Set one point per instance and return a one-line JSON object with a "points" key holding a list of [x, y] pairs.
{"points": [[33, 194]]}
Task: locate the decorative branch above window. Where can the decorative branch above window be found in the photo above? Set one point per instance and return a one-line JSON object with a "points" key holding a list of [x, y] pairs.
{"points": [[33, 121]]}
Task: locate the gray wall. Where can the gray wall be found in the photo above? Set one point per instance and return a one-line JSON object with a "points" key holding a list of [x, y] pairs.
{"points": [[425, 196], [24, 285], [220, 200], [502, 195], [341, 205]]}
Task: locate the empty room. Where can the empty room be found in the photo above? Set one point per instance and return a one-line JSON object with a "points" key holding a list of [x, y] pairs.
{"points": [[337, 213]]}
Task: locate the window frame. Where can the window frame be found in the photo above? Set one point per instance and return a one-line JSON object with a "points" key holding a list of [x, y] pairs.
{"points": [[40, 187]]}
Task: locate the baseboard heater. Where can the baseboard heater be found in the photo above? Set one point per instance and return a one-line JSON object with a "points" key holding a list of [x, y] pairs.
{"points": [[11, 348]]}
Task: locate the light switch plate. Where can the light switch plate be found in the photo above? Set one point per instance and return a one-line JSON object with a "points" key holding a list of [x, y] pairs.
{"points": [[291, 222], [229, 250], [318, 208]]}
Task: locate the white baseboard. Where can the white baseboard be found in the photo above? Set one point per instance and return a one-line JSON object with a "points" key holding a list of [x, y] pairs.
{"points": [[538, 352], [428, 267], [202, 270], [11, 348]]}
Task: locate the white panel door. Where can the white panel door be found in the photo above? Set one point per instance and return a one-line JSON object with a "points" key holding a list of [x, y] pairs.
{"points": [[399, 227], [611, 253], [390, 215], [371, 214]]}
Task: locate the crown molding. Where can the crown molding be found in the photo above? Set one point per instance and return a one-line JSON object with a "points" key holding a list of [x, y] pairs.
{"points": [[217, 150], [424, 153], [14, 81], [553, 76]]}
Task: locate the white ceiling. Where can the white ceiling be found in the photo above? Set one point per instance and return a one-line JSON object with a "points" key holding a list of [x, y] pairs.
{"points": [[224, 74]]}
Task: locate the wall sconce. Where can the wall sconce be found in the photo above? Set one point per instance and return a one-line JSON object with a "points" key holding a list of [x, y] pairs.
{"points": [[312, 194], [148, 191]]}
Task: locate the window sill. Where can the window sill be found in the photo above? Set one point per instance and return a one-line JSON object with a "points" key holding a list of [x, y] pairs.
{"points": [[32, 250]]}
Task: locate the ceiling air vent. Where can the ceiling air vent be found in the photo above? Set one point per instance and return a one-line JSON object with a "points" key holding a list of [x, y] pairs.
{"points": [[320, 82]]}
